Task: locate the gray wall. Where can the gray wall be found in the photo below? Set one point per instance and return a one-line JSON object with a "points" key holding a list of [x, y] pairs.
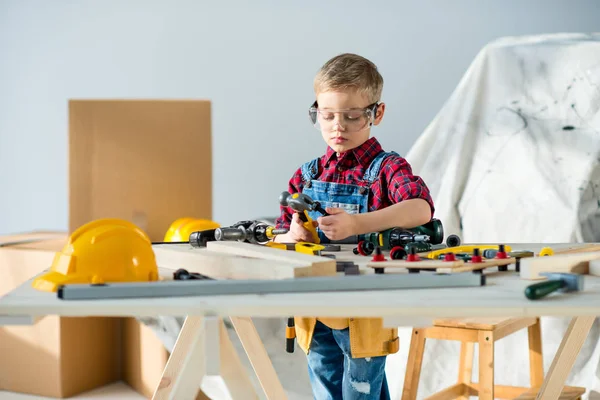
{"points": [[254, 60]]}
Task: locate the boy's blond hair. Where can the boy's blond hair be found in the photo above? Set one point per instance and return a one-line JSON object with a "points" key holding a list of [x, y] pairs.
{"points": [[350, 72]]}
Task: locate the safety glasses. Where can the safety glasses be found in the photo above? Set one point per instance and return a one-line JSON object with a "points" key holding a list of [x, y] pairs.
{"points": [[348, 120]]}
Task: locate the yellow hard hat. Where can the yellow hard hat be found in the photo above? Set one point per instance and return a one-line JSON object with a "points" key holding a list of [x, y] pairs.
{"points": [[182, 228], [102, 251]]}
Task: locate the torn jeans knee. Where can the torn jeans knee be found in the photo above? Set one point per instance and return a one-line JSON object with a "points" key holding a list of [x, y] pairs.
{"points": [[334, 374]]}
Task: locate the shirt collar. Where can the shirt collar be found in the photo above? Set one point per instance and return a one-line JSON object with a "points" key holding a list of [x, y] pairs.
{"points": [[363, 154]]}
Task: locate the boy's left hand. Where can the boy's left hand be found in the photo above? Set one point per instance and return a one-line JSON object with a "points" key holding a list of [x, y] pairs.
{"points": [[338, 225]]}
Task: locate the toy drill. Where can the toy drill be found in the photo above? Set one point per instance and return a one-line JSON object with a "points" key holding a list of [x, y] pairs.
{"points": [[302, 204], [420, 239], [255, 232], [432, 233]]}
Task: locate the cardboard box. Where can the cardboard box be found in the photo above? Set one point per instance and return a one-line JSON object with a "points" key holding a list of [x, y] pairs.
{"points": [[146, 161], [144, 357], [56, 357]]}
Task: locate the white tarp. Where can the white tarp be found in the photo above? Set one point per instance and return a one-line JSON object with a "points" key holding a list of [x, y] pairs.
{"points": [[514, 157]]}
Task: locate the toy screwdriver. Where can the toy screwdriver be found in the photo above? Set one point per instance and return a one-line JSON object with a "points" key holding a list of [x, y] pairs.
{"points": [[302, 203]]}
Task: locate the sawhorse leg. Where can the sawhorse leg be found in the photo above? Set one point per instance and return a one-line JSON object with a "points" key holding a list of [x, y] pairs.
{"points": [[261, 363], [187, 364], [565, 357]]}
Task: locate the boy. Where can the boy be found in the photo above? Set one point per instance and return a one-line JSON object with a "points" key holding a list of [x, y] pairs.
{"points": [[364, 189]]}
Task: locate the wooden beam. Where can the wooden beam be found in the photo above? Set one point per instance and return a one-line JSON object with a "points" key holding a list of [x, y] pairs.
{"points": [[413, 365], [565, 358], [573, 262], [233, 371], [583, 248], [186, 365], [259, 358], [449, 393], [222, 265], [319, 266], [424, 263]]}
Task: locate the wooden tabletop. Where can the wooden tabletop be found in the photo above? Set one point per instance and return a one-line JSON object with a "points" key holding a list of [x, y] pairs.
{"points": [[502, 296]]}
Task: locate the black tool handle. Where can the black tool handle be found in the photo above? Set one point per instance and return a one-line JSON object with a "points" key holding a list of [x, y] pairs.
{"points": [[303, 216], [539, 290], [320, 209], [200, 238], [290, 335]]}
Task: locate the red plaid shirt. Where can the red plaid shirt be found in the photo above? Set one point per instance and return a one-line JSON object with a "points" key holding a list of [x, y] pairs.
{"points": [[395, 183]]}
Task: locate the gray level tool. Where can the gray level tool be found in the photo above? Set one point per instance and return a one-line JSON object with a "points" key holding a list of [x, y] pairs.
{"points": [[297, 285]]}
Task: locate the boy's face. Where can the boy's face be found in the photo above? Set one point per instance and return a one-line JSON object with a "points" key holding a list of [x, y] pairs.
{"points": [[342, 119]]}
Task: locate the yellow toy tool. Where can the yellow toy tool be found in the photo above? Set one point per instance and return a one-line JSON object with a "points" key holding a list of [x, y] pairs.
{"points": [[302, 203], [465, 249], [102, 251], [300, 247]]}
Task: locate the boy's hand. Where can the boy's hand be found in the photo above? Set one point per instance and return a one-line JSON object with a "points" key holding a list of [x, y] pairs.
{"points": [[298, 233], [338, 225]]}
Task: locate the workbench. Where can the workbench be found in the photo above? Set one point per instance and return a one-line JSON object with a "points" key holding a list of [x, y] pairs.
{"points": [[502, 296]]}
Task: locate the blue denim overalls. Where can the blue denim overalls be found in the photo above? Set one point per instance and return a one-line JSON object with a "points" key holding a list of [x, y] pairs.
{"points": [[352, 198], [330, 347]]}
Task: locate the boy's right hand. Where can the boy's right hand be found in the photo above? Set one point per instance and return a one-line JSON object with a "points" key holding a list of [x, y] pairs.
{"points": [[298, 233]]}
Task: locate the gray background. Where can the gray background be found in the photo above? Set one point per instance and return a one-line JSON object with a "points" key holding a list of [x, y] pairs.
{"points": [[254, 60]]}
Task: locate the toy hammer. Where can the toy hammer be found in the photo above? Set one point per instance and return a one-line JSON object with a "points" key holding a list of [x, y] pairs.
{"points": [[302, 203], [561, 282]]}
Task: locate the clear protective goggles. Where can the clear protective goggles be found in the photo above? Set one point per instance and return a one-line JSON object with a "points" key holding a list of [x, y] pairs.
{"points": [[347, 120]]}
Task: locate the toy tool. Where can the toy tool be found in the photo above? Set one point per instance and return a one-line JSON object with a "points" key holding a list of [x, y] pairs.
{"points": [[255, 232], [561, 282], [302, 204], [431, 233], [467, 248]]}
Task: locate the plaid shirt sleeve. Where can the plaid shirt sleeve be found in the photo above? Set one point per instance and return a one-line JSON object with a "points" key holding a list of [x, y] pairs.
{"points": [[294, 186], [402, 184]]}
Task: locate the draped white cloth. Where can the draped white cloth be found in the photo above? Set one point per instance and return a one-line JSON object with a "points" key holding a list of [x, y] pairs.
{"points": [[514, 157]]}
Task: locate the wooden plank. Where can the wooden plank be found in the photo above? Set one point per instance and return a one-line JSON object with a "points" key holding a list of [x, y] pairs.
{"points": [[442, 266], [423, 264], [413, 365], [30, 237], [584, 248], [508, 392], [575, 263], [257, 354], [446, 333], [465, 364], [594, 267], [536, 358], [513, 326], [486, 365], [568, 393], [185, 368], [320, 266], [219, 265], [565, 358], [486, 263], [233, 371], [449, 393], [483, 323]]}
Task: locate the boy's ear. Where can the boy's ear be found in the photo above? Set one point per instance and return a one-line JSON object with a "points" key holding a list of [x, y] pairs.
{"points": [[379, 114]]}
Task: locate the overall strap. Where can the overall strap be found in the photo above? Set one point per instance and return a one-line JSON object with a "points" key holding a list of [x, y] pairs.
{"points": [[310, 170], [372, 173]]}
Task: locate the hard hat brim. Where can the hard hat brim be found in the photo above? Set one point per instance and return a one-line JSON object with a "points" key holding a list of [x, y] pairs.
{"points": [[50, 281]]}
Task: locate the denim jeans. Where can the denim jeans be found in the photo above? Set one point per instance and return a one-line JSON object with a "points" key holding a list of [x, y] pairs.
{"points": [[335, 375]]}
